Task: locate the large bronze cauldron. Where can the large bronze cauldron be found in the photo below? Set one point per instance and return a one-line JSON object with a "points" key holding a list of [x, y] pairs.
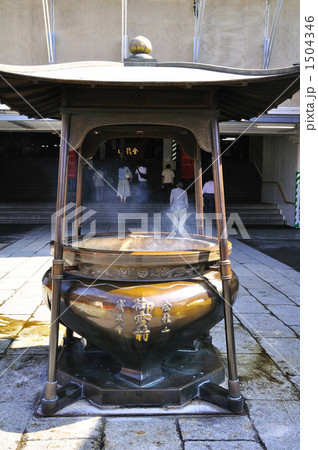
{"points": [[141, 299]]}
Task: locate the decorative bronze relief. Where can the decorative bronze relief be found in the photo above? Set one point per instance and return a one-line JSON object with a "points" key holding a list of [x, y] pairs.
{"points": [[156, 273]]}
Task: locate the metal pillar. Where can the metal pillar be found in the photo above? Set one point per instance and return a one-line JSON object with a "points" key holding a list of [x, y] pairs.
{"points": [[50, 396], [198, 191], [79, 193], [234, 397]]}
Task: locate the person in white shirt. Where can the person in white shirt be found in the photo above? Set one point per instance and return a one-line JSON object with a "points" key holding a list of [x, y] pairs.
{"points": [[208, 196], [167, 177], [179, 205], [141, 172]]}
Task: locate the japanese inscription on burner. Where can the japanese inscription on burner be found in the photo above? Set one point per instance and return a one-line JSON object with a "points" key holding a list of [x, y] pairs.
{"points": [[166, 318], [143, 309], [119, 318]]}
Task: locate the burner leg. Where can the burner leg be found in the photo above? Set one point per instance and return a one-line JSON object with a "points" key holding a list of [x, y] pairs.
{"points": [[50, 395], [225, 265]]}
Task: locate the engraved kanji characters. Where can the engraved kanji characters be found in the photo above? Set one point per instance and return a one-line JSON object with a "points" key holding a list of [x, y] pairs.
{"points": [[119, 315], [144, 309], [166, 318]]}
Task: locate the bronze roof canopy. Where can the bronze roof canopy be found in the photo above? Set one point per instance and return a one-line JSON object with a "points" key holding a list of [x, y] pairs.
{"points": [[171, 100]]}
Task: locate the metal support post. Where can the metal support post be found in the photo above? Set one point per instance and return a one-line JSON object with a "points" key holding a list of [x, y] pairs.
{"points": [[198, 191], [234, 399], [57, 268], [79, 193]]}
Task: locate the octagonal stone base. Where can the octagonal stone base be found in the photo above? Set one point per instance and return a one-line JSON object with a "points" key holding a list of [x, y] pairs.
{"points": [[98, 374]]}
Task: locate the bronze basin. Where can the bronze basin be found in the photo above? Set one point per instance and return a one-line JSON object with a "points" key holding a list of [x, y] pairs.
{"points": [[141, 304], [142, 256]]}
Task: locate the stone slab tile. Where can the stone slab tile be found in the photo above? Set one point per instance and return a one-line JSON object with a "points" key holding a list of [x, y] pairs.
{"points": [[31, 288], [247, 304], [6, 293], [10, 325], [260, 378], [13, 420], [274, 274], [240, 269], [266, 273], [63, 444], [270, 296], [277, 423], [142, 433], [34, 336], [242, 291], [24, 377], [253, 281], [42, 314], [289, 314], [295, 298], [4, 343], [12, 283], [217, 428], [296, 328], [20, 304], [28, 267], [241, 257], [256, 255], [59, 428], [265, 325], [8, 264], [291, 274], [244, 342], [286, 354], [222, 445], [19, 272], [288, 288]]}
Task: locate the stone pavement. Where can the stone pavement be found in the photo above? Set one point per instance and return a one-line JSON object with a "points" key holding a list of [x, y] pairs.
{"points": [[267, 341]]}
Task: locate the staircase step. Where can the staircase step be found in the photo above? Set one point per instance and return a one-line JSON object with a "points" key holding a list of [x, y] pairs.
{"points": [[250, 214]]}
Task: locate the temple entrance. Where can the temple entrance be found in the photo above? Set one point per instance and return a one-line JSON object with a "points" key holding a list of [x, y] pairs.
{"points": [[29, 164], [242, 160], [133, 151], [29, 167]]}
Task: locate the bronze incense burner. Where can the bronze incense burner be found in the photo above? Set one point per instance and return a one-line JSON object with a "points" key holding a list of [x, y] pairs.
{"points": [[144, 313], [144, 308]]}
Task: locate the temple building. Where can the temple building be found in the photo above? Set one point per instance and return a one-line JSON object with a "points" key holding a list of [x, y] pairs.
{"points": [[260, 154]]}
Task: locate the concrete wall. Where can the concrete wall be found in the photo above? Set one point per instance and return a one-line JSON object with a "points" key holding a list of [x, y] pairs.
{"points": [[22, 36], [280, 163], [87, 30], [232, 31]]}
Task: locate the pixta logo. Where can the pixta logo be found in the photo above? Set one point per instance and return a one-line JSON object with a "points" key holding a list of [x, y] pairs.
{"points": [[178, 224], [74, 218]]}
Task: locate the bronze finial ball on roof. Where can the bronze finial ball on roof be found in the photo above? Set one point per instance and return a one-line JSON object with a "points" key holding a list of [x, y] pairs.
{"points": [[140, 48], [140, 44]]}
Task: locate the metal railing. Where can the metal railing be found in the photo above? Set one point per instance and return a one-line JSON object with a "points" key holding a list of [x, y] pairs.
{"points": [[280, 190]]}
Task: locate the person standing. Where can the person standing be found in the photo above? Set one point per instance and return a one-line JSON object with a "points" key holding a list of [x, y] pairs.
{"points": [[98, 180], [141, 172], [124, 181], [208, 196], [179, 205], [167, 177]]}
